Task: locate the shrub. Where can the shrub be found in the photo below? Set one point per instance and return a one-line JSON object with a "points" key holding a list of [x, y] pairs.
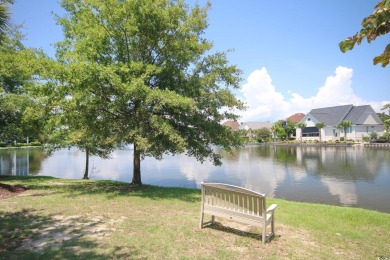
{"points": [[2, 144], [386, 135], [374, 135]]}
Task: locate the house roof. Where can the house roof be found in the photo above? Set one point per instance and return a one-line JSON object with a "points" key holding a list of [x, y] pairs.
{"points": [[296, 117], [361, 115], [255, 125], [232, 124], [332, 116]]}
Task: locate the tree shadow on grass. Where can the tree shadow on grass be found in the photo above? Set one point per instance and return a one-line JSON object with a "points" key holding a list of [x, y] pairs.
{"points": [[29, 234], [111, 189], [114, 189]]}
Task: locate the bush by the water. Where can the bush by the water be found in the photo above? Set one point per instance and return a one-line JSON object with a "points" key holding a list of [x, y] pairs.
{"points": [[11, 144]]}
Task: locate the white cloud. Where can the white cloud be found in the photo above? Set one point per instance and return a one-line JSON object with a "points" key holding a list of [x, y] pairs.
{"points": [[265, 103]]}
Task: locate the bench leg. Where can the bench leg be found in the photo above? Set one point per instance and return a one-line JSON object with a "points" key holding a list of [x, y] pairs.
{"points": [[201, 220], [264, 234]]}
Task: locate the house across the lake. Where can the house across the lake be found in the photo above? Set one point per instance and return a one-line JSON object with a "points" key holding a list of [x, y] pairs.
{"points": [[363, 118], [232, 124], [296, 118]]}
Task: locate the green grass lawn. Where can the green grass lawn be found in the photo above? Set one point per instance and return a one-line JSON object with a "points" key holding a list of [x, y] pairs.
{"points": [[70, 219]]}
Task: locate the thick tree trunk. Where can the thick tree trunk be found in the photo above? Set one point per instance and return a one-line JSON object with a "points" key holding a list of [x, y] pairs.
{"points": [[136, 166], [86, 164]]}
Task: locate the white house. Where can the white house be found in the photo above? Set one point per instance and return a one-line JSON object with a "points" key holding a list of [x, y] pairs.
{"points": [[364, 121]]}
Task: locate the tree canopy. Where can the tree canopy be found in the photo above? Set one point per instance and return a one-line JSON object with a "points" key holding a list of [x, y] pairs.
{"points": [[140, 72], [376, 24], [19, 74], [4, 17], [386, 107]]}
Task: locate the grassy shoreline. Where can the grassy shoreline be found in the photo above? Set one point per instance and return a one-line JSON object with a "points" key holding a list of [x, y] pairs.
{"points": [[59, 218]]}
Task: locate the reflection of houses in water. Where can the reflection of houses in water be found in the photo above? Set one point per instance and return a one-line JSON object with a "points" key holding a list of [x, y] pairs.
{"points": [[342, 163], [339, 169], [12, 164]]}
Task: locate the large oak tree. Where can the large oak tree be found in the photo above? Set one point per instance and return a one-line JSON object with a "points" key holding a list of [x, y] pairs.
{"points": [[140, 71]]}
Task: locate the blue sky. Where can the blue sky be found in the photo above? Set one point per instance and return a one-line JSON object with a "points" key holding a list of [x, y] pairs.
{"points": [[288, 51]]}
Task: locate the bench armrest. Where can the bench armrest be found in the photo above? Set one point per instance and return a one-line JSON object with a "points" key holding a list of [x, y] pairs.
{"points": [[272, 208]]}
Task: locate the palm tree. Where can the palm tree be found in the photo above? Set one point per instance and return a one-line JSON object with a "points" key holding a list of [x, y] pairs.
{"points": [[320, 125], [275, 130], [386, 107], [344, 125], [4, 16], [301, 125]]}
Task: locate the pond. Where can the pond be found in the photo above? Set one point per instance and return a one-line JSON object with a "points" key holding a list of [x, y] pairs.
{"points": [[345, 176]]}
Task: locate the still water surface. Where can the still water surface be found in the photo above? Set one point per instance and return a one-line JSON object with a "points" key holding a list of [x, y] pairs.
{"points": [[346, 176]]}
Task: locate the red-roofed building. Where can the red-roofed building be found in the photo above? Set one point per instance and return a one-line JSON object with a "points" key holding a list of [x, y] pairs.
{"points": [[296, 118]]}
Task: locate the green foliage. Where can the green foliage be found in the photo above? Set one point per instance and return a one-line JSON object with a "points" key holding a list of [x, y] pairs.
{"points": [[386, 135], [20, 67], [344, 125], [375, 25], [289, 128], [374, 135], [386, 107], [301, 126], [19, 74], [139, 72], [281, 134], [320, 125], [383, 116], [4, 18], [263, 135], [12, 107], [283, 129]]}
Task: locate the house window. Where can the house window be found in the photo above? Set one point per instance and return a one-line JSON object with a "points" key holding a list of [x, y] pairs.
{"points": [[310, 131], [349, 130]]}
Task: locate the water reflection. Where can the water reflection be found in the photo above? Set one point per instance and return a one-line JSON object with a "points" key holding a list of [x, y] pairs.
{"points": [[20, 162], [348, 176]]}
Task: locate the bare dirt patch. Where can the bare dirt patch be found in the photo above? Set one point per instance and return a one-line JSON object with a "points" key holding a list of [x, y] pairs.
{"points": [[66, 228], [7, 190]]}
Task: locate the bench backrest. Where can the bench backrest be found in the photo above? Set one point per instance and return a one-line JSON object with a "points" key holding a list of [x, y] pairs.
{"points": [[233, 198]]}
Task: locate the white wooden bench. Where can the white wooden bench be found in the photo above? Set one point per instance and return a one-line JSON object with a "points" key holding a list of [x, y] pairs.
{"points": [[238, 204]]}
